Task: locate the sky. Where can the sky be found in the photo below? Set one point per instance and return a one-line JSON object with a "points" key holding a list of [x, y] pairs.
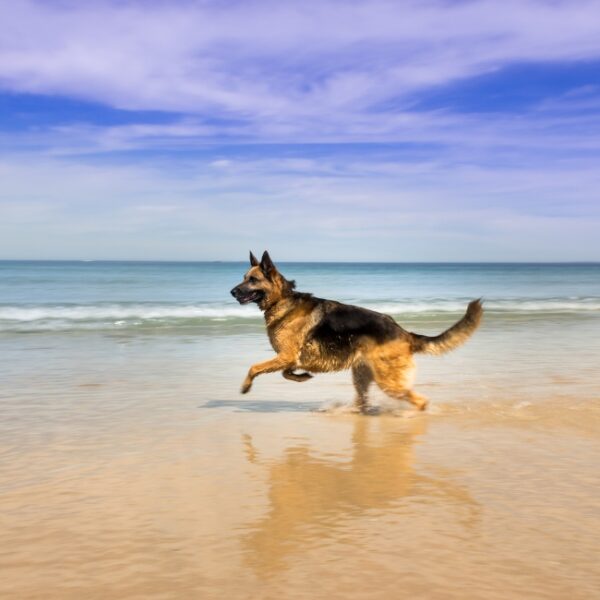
{"points": [[354, 130]]}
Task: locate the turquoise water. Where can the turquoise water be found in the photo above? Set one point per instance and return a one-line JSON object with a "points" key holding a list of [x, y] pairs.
{"points": [[37, 296]]}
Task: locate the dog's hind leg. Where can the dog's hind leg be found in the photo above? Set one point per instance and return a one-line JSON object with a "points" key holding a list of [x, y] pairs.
{"points": [[289, 374], [397, 390], [418, 401], [393, 370], [362, 376]]}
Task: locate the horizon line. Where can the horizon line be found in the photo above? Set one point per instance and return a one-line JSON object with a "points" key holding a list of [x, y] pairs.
{"points": [[316, 262]]}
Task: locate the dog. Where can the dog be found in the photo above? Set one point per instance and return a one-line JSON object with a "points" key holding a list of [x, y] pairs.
{"points": [[322, 336]]}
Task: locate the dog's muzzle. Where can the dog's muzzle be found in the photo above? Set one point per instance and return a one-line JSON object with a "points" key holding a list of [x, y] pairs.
{"points": [[246, 296]]}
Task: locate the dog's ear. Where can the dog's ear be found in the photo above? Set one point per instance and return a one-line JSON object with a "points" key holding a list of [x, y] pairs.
{"points": [[266, 264], [253, 260]]}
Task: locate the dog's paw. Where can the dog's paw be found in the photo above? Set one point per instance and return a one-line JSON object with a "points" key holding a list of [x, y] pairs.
{"points": [[303, 376], [245, 387], [289, 374]]}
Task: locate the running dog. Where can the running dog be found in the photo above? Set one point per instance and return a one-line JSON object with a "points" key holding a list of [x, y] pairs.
{"points": [[321, 336]]}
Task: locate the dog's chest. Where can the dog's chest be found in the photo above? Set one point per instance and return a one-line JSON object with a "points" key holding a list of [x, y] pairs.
{"points": [[273, 338], [281, 337], [288, 336], [287, 332]]}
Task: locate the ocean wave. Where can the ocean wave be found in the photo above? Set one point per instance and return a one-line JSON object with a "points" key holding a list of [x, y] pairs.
{"points": [[97, 312], [160, 315]]}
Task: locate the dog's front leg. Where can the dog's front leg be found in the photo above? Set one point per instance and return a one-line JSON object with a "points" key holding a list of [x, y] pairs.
{"points": [[275, 364]]}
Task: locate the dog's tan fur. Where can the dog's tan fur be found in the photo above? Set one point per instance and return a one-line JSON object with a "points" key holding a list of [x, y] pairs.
{"points": [[320, 336]]}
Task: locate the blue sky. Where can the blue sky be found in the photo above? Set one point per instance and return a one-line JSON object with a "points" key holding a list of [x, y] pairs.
{"points": [[322, 130]]}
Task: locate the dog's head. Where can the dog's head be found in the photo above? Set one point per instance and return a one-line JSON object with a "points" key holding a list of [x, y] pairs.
{"points": [[262, 284]]}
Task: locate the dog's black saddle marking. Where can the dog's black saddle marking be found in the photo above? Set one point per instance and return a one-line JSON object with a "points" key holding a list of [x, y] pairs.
{"points": [[342, 325]]}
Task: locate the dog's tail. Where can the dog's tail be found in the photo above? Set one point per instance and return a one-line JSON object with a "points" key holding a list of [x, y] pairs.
{"points": [[453, 337]]}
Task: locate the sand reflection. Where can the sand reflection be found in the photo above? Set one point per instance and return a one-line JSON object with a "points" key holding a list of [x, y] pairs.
{"points": [[313, 499]]}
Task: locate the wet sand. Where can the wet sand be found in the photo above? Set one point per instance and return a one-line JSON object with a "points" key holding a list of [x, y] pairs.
{"points": [[131, 468]]}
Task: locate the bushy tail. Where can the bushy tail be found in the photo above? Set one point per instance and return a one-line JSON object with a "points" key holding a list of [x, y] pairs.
{"points": [[453, 337]]}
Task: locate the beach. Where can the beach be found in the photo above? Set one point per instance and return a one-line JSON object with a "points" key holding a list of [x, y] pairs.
{"points": [[133, 468]]}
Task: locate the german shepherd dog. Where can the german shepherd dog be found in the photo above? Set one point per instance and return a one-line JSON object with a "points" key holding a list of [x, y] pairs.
{"points": [[321, 336]]}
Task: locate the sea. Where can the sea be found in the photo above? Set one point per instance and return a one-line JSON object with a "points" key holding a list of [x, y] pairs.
{"points": [[188, 297], [132, 467]]}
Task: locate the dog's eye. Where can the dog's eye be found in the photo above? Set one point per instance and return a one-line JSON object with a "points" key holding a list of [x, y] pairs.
{"points": [[252, 279]]}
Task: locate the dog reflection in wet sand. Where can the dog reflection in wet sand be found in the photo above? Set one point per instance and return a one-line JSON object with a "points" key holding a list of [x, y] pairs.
{"points": [[311, 496], [321, 336]]}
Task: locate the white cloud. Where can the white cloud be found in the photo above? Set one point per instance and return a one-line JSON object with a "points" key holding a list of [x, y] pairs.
{"points": [[262, 60], [311, 72]]}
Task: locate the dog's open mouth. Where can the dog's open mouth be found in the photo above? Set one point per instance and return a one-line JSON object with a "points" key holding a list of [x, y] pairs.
{"points": [[255, 296]]}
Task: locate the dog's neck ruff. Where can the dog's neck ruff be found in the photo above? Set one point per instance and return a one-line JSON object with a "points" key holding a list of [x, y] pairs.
{"points": [[278, 310]]}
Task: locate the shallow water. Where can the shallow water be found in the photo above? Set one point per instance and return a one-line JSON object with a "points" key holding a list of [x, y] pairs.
{"points": [[132, 468]]}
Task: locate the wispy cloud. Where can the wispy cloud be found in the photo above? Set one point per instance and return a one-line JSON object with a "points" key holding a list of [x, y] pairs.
{"points": [[309, 72], [258, 60]]}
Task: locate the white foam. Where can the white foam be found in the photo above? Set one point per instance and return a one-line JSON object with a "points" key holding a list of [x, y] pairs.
{"points": [[121, 312], [119, 315]]}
